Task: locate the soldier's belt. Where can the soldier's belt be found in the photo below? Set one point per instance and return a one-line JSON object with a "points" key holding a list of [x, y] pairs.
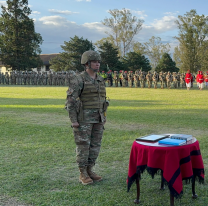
{"points": [[93, 106]]}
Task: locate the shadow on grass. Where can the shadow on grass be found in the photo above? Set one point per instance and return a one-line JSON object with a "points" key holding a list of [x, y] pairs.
{"points": [[35, 101], [51, 101]]}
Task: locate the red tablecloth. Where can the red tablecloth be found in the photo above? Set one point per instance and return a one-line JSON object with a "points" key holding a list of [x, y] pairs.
{"points": [[177, 163]]}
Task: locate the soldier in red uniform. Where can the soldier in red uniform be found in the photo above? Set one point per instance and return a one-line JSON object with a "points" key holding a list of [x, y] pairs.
{"points": [[188, 79], [206, 79], [200, 80]]}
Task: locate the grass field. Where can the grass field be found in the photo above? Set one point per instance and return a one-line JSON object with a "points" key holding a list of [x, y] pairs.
{"points": [[37, 149]]}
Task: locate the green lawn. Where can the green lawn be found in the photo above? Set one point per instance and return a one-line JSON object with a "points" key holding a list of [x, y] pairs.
{"points": [[37, 149]]}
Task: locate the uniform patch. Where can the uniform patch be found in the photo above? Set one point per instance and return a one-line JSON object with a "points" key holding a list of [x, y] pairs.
{"points": [[70, 91]]}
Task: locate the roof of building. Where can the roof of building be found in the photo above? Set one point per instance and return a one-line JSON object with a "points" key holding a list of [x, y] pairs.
{"points": [[44, 57], [47, 57]]}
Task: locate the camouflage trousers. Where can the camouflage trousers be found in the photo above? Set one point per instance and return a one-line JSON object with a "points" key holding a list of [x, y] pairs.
{"points": [[149, 84], [130, 83], [169, 84], [162, 84], [116, 82], [136, 83], [175, 84], [88, 137], [155, 84], [142, 83]]}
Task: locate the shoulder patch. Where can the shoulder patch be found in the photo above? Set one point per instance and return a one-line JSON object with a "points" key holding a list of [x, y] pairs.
{"points": [[69, 91]]}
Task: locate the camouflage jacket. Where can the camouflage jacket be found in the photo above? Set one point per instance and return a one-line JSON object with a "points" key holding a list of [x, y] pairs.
{"points": [[74, 105]]}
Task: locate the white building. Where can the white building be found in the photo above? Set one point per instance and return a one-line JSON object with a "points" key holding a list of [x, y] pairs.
{"points": [[46, 65]]}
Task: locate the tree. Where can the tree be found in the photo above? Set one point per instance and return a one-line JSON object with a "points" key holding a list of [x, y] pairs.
{"points": [[154, 49], [70, 59], [192, 52], [134, 61], [123, 27], [177, 56], [109, 56], [139, 48], [19, 43], [166, 64], [107, 39]]}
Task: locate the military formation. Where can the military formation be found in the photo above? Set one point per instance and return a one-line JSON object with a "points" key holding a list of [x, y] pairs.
{"points": [[122, 78], [36, 78], [147, 79]]}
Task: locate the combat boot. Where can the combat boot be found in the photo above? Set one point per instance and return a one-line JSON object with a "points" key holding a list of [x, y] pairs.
{"points": [[84, 177], [93, 175]]}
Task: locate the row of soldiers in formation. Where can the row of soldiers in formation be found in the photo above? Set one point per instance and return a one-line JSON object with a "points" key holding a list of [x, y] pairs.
{"points": [[36, 78], [124, 78], [143, 79]]}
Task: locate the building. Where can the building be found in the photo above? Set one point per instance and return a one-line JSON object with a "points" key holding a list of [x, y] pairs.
{"points": [[2, 68], [46, 65]]}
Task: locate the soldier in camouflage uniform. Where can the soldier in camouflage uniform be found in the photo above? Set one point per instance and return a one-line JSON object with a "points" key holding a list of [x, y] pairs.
{"points": [[50, 77], [178, 79], [32, 78], [136, 79], [116, 78], [169, 80], [28, 78], [45, 78], [162, 80], [18, 78], [165, 80], [10, 77], [36, 78], [142, 79], [122, 76], [175, 80], [7, 78], [87, 105], [149, 79], [130, 78], [155, 79], [2, 78], [182, 80], [24, 78]]}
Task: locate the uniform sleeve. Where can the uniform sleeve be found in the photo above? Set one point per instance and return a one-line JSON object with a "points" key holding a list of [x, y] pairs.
{"points": [[72, 100]]}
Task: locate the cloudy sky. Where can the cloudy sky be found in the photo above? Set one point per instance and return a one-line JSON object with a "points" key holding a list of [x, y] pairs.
{"points": [[58, 20]]}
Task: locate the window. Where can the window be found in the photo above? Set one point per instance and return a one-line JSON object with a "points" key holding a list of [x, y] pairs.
{"points": [[47, 68]]}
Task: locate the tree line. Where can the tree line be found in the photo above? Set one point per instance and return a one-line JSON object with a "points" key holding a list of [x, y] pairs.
{"points": [[20, 44]]}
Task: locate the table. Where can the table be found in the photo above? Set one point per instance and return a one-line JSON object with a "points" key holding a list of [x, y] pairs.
{"points": [[176, 163]]}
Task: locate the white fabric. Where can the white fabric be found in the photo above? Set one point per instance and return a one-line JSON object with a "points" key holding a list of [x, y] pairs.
{"points": [[201, 85], [188, 84]]}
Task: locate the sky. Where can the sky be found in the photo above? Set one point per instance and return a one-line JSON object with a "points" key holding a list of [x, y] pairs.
{"points": [[58, 20]]}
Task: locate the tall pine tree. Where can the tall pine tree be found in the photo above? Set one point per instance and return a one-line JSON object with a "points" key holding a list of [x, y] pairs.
{"points": [[19, 43], [70, 58], [166, 64], [136, 61], [109, 56]]}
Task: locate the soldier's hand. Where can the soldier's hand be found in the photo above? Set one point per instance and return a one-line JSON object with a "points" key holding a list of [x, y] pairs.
{"points": [[75, 124]]}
